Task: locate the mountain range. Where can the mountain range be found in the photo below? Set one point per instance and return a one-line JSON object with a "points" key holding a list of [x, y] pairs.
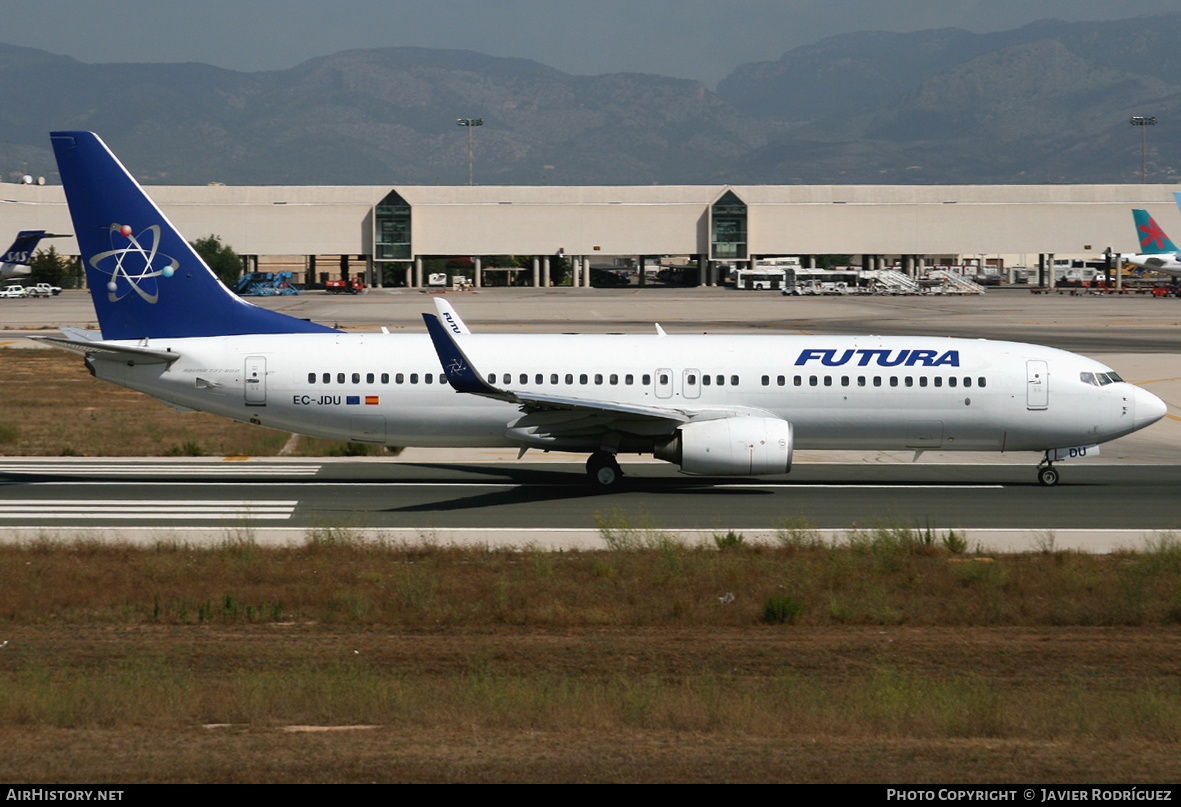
{"points": [[1046, 103]]}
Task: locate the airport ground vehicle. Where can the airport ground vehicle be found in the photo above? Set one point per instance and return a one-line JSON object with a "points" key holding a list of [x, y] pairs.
{"points": [[265, 284], [354, 286], [15, 290]]}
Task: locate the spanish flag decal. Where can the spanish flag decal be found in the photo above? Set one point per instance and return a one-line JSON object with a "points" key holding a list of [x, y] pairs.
{"points": [[370, 400]]}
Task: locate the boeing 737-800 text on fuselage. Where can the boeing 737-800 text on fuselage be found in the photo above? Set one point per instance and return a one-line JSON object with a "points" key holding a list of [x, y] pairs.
{"points": [[711, 404]]}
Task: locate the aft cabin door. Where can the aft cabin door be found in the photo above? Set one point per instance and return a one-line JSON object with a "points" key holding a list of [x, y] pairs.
{"points": [[1037, 385], [256, 381]]}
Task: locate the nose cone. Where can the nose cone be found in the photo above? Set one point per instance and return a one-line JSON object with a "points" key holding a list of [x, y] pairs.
{"points": [[1149, 408]]}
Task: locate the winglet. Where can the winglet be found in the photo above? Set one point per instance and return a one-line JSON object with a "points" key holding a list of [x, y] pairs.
{"points": [[458, 371], [449, 316]]}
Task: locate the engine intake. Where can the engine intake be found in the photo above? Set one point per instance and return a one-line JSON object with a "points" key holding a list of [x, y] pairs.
{"points": [[741, 446]]}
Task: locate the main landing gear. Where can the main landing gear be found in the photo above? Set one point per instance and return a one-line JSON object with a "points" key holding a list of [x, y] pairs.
{"points": [[1047, 474], [603, 470]]}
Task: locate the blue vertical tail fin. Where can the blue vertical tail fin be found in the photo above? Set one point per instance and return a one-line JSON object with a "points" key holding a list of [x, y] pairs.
{"points": [[1152, 238], [15, 260], [145, 279]]}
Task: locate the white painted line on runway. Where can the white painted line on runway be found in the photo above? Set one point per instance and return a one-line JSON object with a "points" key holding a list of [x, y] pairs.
{"points": [[73, 469], [636, 485], [147, 509], [862, 486]]}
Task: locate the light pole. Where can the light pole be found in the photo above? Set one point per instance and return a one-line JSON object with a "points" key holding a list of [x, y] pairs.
{"points": [[1141, 121], [469, 123]]}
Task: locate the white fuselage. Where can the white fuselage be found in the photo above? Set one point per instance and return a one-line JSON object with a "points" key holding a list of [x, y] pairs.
{"points": [[1166, 262], [838, 392]]}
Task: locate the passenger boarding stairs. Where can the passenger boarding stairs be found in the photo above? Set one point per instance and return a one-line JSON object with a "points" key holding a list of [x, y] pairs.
{"points": [[894, 282], [953, 283]]}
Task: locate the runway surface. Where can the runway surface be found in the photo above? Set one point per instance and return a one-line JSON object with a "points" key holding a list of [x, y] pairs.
{"points": [[447, 496], [531, 502]]}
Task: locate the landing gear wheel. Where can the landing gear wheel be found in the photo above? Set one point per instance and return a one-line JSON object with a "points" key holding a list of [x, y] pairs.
{"points": [[1048, 476], [603, 470]]}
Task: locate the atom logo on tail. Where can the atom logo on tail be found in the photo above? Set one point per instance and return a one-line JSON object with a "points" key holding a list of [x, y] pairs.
{"points": [[124, 262]]}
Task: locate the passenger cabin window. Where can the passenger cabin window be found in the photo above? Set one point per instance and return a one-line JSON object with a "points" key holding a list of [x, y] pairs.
{"points": [[311, 378]]}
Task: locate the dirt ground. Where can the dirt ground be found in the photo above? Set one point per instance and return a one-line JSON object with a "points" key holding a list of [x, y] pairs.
{"points": [[439, 744]]}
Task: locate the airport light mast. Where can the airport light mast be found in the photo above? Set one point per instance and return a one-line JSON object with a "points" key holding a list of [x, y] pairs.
{"points": [[469, 123], [1141, 121]]}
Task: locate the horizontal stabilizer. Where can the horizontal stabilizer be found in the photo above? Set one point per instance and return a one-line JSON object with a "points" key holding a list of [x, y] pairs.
{"points": [[139, 355]]}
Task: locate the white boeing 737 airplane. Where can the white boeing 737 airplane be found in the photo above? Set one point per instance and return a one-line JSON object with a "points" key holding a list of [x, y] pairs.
{"points": [[711, 404]]}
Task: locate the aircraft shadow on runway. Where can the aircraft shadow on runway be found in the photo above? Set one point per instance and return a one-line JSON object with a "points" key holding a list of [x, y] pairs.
{"points": [[533, 485]]}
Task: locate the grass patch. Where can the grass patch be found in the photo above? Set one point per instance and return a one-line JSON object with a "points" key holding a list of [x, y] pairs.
{"points": [[63, 411], [644, 577]]}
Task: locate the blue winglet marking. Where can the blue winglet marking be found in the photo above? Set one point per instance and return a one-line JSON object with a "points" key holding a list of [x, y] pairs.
{"points": [[456, 367]]}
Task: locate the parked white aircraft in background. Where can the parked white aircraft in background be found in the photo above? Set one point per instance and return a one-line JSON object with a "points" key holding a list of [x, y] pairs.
{"points": [[713, 405], [1157, 251]]}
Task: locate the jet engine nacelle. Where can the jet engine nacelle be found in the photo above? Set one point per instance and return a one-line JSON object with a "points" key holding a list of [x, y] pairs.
{"points": [[741, 446]]}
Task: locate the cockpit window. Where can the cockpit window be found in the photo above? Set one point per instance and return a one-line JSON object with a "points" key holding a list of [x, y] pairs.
{"points": [[1088, 378], [1104, 379], [1114, 377]]}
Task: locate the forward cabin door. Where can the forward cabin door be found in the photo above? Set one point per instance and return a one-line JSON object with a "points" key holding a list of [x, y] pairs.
{"points": [[1037, 385]]}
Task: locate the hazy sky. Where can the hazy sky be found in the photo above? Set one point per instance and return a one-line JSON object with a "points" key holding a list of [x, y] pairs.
{"points": [[700, 39]]}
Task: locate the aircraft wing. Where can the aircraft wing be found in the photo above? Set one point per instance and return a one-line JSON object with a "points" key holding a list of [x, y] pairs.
{"points": [[558, 414]]}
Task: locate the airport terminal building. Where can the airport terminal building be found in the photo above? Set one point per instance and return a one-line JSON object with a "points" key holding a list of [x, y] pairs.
{"points": [[387, 232]]}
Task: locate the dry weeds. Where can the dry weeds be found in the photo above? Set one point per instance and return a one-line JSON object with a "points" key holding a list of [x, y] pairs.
{"points": [[53, 407], [619, 665]]}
